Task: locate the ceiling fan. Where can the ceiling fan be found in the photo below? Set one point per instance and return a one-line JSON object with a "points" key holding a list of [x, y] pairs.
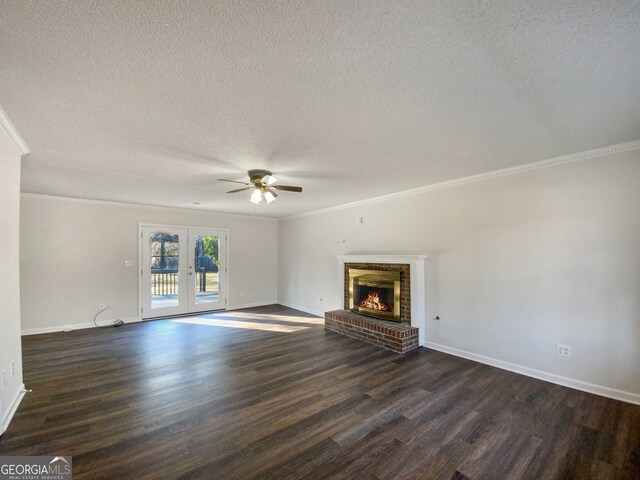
{"points": [[263, 185]]}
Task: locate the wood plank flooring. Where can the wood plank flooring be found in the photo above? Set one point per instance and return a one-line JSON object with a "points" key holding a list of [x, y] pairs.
{"points": [[268, 393]]}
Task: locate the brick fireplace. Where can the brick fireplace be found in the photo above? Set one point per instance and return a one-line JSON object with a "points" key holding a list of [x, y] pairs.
{"points": [[405, 282], [398, 333]]}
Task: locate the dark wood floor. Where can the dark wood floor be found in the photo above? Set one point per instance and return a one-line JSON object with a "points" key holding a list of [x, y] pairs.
{"points": [[282, 398]]}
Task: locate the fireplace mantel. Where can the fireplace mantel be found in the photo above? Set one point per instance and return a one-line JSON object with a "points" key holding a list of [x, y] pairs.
{"points": [[417, 265]]}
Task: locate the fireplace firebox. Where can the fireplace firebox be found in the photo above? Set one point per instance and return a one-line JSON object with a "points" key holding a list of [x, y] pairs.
{"points": [[375, 293]]}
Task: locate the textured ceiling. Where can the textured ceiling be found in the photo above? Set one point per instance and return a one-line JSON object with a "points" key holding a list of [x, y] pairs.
{"points": [[151, 101]]}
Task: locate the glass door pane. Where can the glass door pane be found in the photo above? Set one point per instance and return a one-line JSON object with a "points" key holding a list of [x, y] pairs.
{"points": [[206, 266], [165, 270], [207, 269], [164, 288]]}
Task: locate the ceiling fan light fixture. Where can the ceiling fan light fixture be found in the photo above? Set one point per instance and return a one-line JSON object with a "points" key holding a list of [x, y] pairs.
{"points": [[269, 180], [269, 196], [262, 185], [256, 196]]}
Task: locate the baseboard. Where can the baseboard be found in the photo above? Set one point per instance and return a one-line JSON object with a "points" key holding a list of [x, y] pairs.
{"points": [[75, 326], [12, 409], [251, 305], [301, 308], [106, 323], [540, 375]]}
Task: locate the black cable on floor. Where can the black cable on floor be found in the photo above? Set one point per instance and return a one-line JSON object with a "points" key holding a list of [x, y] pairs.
{"points": [[116, 323]]}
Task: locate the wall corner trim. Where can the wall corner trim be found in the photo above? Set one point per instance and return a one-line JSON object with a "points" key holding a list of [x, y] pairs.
{"points": [[12, 409], [12, 133], [621, 395]]}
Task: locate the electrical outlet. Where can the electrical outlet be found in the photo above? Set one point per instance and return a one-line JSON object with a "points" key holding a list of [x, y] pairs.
{"points": [[242, 294], [563, 350], [128, 263], [102, 307]]}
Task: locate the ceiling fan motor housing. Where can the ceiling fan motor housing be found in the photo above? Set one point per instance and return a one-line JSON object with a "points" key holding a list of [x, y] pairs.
{"points": [[257, 175]]}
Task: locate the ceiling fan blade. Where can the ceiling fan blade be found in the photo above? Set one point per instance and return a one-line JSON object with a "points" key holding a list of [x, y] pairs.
{"points": [[287, 188], [272, 192], [268, 180], [232, 181], [240, 189]]}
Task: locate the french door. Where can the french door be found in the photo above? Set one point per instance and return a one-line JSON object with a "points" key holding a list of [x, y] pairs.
{"points": [[183, 270]]}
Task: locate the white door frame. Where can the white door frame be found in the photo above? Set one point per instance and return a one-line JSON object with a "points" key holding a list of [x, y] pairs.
{"points": [[140, 260]]}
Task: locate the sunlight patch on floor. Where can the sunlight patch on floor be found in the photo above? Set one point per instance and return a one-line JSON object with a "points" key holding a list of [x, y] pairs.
{"points": [[276, 317], [217, 322]]}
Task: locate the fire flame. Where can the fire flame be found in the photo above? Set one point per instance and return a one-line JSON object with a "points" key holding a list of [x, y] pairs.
{"points": [[373, 302]]}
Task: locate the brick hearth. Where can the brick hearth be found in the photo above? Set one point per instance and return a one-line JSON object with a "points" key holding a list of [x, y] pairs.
{"points": [[400, 338]]}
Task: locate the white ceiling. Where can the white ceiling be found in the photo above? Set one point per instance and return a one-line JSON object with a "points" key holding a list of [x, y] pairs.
{"points": [[152, 101]]}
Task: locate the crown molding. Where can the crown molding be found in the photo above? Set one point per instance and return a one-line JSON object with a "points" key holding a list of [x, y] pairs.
{"points": [[12, 133], [550, 162], [43, 196]]}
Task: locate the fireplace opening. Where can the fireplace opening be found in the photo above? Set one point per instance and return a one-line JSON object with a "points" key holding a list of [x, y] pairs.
{"points": [[375, 293]]}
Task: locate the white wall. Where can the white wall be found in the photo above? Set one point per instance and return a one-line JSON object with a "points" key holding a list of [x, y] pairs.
{"points": [[73, 254], [522, 262], [10, 347]]}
